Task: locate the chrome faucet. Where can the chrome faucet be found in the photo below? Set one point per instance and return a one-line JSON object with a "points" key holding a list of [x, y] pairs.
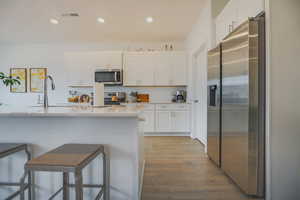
{"points": [[46, 102]]}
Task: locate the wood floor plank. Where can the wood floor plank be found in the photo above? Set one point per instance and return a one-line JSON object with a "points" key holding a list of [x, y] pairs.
{"points": [[177, 168]]}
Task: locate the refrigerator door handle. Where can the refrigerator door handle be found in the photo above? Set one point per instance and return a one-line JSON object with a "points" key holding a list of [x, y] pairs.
{"points": [[213, 95]]}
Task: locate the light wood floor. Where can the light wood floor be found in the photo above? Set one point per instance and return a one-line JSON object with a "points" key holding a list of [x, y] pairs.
{"points": [[177, 168]]}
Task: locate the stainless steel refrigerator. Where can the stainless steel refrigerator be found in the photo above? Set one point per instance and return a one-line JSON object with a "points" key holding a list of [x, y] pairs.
{"points": [[236, 106]]}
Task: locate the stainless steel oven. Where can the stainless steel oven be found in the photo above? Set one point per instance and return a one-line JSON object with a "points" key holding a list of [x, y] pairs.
{"points": [[109, 76]]}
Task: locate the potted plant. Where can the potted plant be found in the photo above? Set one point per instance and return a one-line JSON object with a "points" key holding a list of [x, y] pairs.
{"points": [[8, 81]]}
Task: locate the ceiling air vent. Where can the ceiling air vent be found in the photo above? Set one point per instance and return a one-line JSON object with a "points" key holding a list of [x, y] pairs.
{"points": [[70, 15]]}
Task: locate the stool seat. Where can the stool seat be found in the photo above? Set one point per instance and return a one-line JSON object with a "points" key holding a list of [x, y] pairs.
{"points": [[66, 156], [71, 158], [10, 148]]}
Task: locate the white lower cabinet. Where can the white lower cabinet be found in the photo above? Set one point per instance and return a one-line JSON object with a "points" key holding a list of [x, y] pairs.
{"points": [[172, 118], [163, 121], [149, 121], [165, 118], [179, 121]]}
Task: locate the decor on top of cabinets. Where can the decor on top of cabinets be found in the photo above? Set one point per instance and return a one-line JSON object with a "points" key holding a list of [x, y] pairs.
{"points": [[17, 80], [37, 76]]}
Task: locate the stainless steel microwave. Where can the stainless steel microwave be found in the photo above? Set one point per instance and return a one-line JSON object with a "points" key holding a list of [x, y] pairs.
{"points": [[109, 76]]}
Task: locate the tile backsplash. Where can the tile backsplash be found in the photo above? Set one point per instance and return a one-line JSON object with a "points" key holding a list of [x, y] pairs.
{"points": [[157, 94]]}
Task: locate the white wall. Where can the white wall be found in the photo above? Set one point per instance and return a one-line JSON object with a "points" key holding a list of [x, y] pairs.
{"points": [[284, 71], [201, 38], [51, 56], [218, 6]]}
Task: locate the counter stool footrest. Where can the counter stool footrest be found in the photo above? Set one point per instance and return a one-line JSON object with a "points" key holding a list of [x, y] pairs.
{"points": [[14, 195], [56, 193], [9, 184], [89, 185], [99, 195]]}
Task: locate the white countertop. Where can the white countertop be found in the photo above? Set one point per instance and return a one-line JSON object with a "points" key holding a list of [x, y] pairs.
{"points": [[71, 111]]}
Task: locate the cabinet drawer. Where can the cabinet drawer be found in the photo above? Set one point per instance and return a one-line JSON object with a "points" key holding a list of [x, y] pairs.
{"points": [[180, 106], [172, 107], [148, 106]]}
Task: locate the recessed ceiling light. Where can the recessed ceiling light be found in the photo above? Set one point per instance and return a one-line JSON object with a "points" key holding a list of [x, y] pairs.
{"points": [[149, 20], [101, 20], [54, 21]]}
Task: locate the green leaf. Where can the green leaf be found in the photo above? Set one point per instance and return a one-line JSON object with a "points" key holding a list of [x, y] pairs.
{"points": [[9, 80]]}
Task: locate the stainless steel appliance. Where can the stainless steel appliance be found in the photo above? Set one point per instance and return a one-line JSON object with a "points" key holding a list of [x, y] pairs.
{"points": [[214, 105], [109, 76], [236, 106], [114, 98], [179, 96]]}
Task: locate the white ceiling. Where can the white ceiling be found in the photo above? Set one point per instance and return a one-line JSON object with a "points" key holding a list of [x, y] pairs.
{"points": [[27, 21]]}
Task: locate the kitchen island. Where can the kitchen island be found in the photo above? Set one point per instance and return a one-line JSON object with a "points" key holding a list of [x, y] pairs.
{"points": [[117, 127]]}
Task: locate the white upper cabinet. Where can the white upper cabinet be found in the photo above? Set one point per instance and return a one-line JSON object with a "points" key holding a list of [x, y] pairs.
{"points": [[80, 66], [138, 69], [178, 63], [234, 14], [155, 69]]}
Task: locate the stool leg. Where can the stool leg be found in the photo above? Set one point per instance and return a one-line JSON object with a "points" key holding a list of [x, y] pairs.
{"points": [[66, 194], [106, 176], [31, 192], [22, 186], [32, 185], [78, 185]]}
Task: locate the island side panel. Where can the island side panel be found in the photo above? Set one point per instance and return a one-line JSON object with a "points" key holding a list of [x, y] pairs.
{"points": [[121, 135]]}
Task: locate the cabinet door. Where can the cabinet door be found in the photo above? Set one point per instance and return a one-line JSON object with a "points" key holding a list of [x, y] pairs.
{"points": [[163, 69], [79, 69], [149, 121], [179, 121], [138, 70], [163, 121], [80, 66], [109, 60], [178, 67]]}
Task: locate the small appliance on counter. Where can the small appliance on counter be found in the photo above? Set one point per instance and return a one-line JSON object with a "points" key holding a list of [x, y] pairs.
{"points": [[114, 98], [179, 96], [133, 97], [143, 98], [76, 97]]}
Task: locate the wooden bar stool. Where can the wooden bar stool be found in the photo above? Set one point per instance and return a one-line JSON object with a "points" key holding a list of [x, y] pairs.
{"points": [[7, 149], [72, 158]]}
